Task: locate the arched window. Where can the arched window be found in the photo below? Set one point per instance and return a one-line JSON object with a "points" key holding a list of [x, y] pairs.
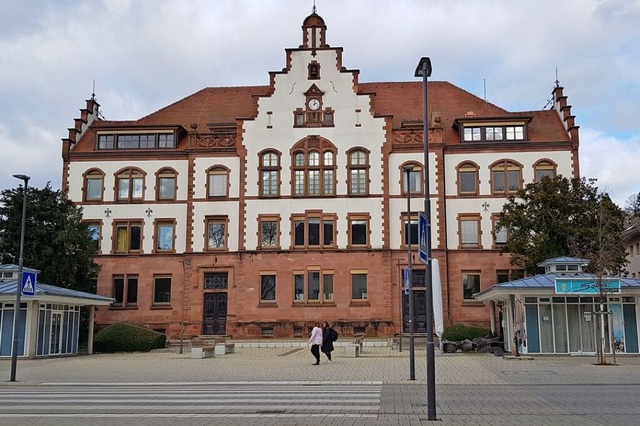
{"points": [[130, 185], [269, 174], [217, 182], [544, 168], [166, 185], [93, 186], [506, 177], [415, 179], [467, 179], [358, 168], [314, 168]]}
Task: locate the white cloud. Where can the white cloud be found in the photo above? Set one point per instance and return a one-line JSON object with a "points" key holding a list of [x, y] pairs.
{"points": [[145, 54], [612, 161]]}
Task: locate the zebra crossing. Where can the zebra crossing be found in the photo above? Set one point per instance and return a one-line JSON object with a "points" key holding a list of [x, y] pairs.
{"points": [[181, 400]]}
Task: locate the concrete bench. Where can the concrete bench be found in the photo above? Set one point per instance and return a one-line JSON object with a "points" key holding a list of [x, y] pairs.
{"points": [[354, 349], [203, 352], [225, 348]]}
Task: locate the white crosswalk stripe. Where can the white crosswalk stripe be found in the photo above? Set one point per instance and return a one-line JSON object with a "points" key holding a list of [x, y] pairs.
{"points": [[286, 399]]}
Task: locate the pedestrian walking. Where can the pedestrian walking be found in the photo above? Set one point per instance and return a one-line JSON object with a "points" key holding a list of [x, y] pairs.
{"points": [[315, 341], [329, 335]]}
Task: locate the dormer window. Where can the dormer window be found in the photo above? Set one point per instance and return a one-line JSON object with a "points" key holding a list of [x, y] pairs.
{"points": [[493, 133]]}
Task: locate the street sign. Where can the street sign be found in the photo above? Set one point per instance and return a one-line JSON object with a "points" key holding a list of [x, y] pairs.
{"points": [[586, 286], [28, 283], [422, 237]]}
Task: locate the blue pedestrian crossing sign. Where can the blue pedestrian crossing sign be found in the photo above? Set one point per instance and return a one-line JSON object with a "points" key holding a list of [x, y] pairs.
{"points": [[28, 283], [422, 237]]}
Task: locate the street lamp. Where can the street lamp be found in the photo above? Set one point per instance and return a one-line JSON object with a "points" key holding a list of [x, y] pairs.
{"points": [[16, 310], [424, 70], [412, 359]]}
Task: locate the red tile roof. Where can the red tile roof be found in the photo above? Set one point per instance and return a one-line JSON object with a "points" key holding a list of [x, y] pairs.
{"points": [[402, 101]]}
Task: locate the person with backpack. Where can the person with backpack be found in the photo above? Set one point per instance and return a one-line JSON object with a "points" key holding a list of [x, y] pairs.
{"points": [[329, 335]]}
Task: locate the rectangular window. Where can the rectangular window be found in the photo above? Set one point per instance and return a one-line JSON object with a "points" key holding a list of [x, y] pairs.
{"points": [[472, 134], [269, 232], [167, 188], [267, 288], [328, 182], [269, 183], [94, 233], [469, 231], [299, 182], [313, 230], [358, 181], [128, 237], [165, 140], [502, 276], [468, 181], [217, 233], [125, 290], [218, 184], [358, 286], [314, 182], [130, 188], [94, 188], [515, 132], [328, 119], [298, 283], [500, 234], [415, 181], [165, 232], [161, 290], [317, 288], [410, 229], [327, 281], [105, 142], [313, 285], [358, 230], [470, 284]]}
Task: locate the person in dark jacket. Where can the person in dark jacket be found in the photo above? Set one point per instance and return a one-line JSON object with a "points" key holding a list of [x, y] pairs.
{"points": [[327, 340]]}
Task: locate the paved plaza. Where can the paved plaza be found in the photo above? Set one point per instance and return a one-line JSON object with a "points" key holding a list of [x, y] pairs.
{"points": [[471, 388]]}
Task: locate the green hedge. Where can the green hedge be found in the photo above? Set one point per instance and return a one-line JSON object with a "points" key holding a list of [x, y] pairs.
{"points": [[128, 337], [460, 332]]}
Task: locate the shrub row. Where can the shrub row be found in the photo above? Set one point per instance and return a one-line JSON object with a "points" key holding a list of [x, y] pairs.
{"points": [[460, 332], [128, 337]]}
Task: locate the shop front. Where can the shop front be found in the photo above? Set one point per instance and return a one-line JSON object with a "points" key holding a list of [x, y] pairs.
{"points": [[561, 311]]}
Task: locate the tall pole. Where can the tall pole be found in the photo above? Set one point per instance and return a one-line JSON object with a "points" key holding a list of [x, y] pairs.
{"points": [[16, 309], [424, 70], [412, 356]]}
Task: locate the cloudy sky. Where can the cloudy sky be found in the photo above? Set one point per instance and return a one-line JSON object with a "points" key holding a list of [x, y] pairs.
{"points": [[145, 54]]}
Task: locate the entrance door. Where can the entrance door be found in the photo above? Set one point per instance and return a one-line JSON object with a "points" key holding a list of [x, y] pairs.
{"points": [[419, 305], [215, 314], [56, 322]]}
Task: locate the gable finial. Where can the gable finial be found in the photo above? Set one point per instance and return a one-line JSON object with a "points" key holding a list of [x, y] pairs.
{"points": [[313, 10], [557, 80], [93, 91]]}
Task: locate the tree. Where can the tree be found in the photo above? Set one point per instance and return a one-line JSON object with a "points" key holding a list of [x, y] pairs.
{"points": [[632, 206], [559, 217], [57, 242]]}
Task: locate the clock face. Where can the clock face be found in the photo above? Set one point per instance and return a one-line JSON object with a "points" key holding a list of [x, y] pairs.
{"points": [[314, 104]]}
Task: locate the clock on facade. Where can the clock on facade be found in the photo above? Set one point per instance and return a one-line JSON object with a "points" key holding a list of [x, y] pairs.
{"points": [[314, 104]]}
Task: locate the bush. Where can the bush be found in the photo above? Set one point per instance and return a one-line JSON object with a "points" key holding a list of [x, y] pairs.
{"points": [[456, 333], [128, 337], [477, 332]]}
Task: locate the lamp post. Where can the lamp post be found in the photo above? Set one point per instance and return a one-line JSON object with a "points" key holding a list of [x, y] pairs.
{"points": [[424, 70], [412, 357], [16, 310]]}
